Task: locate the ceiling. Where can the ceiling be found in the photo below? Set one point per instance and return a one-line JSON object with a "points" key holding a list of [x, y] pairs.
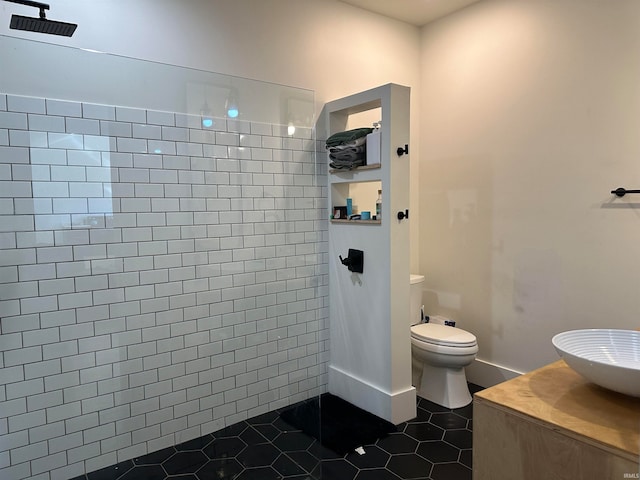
{"points": [[415, 12]]}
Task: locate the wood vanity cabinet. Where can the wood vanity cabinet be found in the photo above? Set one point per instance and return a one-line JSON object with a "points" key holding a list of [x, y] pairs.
{"points": [[551, 424]]}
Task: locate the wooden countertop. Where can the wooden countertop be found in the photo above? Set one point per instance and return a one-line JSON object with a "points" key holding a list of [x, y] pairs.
{"points": [[560, 398]]}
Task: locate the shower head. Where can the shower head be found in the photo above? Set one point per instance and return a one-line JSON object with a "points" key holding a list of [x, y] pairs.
{"points": [[41, 24]]}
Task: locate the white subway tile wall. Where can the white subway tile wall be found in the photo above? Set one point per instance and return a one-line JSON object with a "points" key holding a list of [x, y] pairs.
{"points": [[158, 281]]}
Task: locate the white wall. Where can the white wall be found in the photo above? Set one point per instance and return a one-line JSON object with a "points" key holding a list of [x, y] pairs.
{"points": [[530, 116], [323, 45]]}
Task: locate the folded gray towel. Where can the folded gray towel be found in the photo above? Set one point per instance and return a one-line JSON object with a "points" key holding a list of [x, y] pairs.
{"points": [[358, 142], [348, 136], [346, 165], [351, 154]]}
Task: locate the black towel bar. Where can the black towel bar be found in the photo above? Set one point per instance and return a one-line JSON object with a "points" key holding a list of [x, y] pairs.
{"points": [[621, 192]]}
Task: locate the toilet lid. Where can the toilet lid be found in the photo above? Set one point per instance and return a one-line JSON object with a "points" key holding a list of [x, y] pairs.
{"points": [[442, 335]]}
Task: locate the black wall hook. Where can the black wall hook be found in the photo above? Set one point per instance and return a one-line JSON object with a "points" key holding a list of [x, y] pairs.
{"points": [[402, 215], [354, 261], [401, 151]]}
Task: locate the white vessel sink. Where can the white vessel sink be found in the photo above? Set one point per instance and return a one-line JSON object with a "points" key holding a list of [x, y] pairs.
{"points": [[607, 357]]}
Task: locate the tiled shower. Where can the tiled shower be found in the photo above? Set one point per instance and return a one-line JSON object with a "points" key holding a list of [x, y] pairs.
{"points": [[159, 279]]}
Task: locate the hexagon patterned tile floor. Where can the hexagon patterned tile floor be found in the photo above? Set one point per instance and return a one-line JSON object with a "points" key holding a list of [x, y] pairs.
{"points": [[436, 445]]}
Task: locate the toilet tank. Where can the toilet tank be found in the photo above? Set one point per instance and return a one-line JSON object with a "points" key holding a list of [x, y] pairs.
{"points": [[415, 298]]}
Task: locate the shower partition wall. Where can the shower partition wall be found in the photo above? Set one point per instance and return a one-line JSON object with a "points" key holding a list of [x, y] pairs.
{"points": [[162, 264]]}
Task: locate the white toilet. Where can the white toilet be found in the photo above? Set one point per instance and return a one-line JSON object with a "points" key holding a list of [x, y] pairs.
{"points": [[439, 354]]}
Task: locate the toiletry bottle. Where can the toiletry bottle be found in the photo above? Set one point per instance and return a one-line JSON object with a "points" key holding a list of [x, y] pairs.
{"points": [[373, 145], [379, 206]]}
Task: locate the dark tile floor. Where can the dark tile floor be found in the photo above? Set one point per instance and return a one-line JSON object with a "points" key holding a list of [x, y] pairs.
{"points": [[436, 445]]}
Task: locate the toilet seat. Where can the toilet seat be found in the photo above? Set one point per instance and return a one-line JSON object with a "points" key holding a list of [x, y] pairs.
{"points": [[442, 335], [433, 348]]}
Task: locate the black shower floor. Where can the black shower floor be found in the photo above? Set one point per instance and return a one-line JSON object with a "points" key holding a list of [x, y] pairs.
{"points": [[436, 445]]}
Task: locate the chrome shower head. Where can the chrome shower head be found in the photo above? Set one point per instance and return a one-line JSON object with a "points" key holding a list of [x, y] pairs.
{"points": [[41, 24]]}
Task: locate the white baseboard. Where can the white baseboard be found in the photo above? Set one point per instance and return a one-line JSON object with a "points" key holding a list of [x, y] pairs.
{"points": [[487, 374], [396, 407]]}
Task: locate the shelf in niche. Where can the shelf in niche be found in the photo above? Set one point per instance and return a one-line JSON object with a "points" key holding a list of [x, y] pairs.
{"points": [[356, 222], [363, 167]]}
